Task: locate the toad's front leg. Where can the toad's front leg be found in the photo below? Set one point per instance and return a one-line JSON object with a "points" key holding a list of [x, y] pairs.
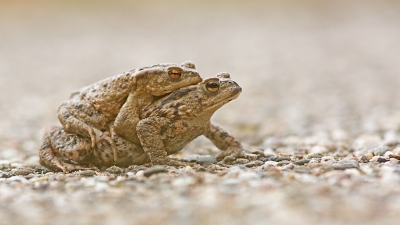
{"points": [[128, 117], [226, 142], [149, 133]]}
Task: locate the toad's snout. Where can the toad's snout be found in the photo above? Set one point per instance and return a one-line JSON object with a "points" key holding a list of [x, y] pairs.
{"points": [[236, 89]]}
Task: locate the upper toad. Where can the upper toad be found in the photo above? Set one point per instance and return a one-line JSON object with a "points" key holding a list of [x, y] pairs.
{"points": [[115, 103]]}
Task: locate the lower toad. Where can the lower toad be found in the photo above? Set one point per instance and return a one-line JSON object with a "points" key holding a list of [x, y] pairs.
{"points": [[166, 126]]}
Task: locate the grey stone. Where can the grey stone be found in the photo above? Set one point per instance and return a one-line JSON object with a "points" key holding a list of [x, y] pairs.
{"points": [[282, 158], [382, 160], [345, 164], [302, 162], [205, 159], [154, 170]]}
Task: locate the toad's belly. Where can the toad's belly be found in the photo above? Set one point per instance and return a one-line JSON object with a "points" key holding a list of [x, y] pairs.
{"points": [[174, 143]]}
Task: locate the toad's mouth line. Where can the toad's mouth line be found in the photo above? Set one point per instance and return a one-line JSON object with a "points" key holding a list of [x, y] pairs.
{"points": [[223, 102], [155, 98]]}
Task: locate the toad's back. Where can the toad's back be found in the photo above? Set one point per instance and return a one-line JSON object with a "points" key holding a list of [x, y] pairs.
{"points": [[108, 95]]}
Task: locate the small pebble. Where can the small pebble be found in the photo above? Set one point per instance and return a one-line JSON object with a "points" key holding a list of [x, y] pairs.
{"points": [[388, 154], [381, 160], [22, 171], [154, 170], [139, 175], [205, 159], [211, 168], [395, 151], [270, 163], [364, 159], [315, 160], [39, 179], [86, 173], [302, 162], [328, 160], [381, 151], [375, 158], [344, 164], [114, 169], [258, 153], [254, 163], [395, 156], [270, 158], [241, 161], [282, 163], [130, 174], [369, 155], [201, 169], [282, 158], [189, 169], [229, 159], [289, 166], [120, 179], [5, 175]]}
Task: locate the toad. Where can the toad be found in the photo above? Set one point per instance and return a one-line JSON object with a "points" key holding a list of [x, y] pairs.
{"points": [[115, 103]]}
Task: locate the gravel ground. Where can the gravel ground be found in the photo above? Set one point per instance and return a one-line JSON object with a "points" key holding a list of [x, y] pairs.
{"points": [[320, 99]]}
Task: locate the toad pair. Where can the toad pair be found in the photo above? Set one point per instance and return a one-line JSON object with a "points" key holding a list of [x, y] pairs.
{"points": [[141, 116]]}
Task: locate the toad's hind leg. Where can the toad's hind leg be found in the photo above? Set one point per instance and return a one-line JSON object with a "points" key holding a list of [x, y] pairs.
{"points": [[47, 158], [59, 147], [80, 117], [52, 162]]}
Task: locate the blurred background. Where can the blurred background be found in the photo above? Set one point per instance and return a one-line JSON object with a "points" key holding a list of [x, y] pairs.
{"points": [[306, 67]]}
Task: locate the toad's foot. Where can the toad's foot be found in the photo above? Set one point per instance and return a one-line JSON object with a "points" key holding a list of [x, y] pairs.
{"points": [[97, 136]]}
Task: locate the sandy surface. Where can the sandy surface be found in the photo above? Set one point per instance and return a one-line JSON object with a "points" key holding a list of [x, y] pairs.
{"points": [[320, 83]]}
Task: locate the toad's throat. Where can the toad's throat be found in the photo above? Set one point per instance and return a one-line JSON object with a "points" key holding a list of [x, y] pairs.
{"points": [[214, 106]]}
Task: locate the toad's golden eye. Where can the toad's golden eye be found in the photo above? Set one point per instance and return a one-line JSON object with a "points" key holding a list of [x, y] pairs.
{"points": [[175, 74], [212, 86]]}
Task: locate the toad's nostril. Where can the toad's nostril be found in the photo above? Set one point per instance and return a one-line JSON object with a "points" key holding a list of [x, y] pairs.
{"points": [[232, 82]]}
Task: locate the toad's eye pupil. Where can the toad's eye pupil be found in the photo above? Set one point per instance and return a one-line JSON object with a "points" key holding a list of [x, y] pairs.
{"points": [[212, 86], [174, 74]]}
